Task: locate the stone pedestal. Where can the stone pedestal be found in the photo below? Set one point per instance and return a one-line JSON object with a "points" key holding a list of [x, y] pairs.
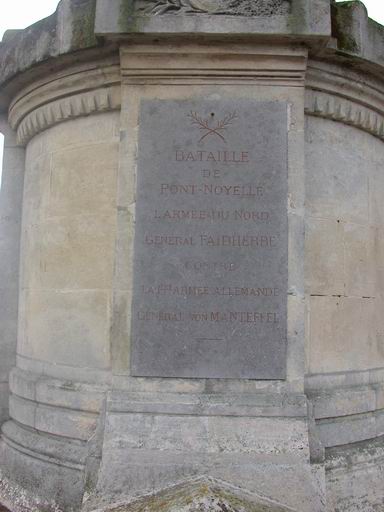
{"points": [[200, 285]]}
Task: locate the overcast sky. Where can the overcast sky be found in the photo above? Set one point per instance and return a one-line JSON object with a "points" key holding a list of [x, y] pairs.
{"points": [[21, 13]]}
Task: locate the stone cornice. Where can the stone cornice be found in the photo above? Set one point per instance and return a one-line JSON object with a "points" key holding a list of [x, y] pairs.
{"points": [[355, 34], [204, 64], [78, 91], [74, 79], [101, 100], [346, 97], [330, 94], [325, 105], [342, 81]]}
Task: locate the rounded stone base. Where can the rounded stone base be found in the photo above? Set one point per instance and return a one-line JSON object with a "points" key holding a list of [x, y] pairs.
{"points": [[48, 468], [360, 467]]}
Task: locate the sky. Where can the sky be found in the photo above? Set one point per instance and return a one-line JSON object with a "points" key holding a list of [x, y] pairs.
{"points": [[22, 13]]}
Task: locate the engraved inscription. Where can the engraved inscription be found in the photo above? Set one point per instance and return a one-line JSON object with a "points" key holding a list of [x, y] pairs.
{"points": [[211, 127], [210, 258], [184, 291]]}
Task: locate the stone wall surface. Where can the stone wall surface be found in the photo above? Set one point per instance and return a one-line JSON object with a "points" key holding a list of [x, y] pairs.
{"points": [[87, 430], [343, 279], [10, 220]]}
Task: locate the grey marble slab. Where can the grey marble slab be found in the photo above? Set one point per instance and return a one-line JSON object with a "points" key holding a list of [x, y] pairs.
{"points": [[210, 257]]}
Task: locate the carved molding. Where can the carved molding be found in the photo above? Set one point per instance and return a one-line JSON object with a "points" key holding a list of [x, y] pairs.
{"points": [[101, 100], [213, 7], [340, 109], [203, 64], [345, 83]]}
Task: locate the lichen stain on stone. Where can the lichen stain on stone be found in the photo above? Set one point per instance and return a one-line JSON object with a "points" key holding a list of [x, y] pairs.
{"points": [[342, 26], [83, 12], [202, 498], [41, 36], [69, 386], [127, 21], [296, 21]]}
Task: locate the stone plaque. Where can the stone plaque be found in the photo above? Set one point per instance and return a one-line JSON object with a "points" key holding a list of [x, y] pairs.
{"points": [[211, 241]]}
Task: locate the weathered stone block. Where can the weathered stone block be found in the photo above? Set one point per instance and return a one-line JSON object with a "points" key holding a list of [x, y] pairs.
{"points": [[359, 261], [70, 253], [74, 330], [338, 328], [336, 181], [88, 174], [325, 257]]}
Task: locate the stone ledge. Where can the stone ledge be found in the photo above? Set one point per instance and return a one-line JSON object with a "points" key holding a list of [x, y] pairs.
{"points": [[103, 100], [80, 25], [346, 401], [356, 34], [61, 371], [324, 105], [350, 429], [316, 383], [355, 454], [75, 396], [52, 419], [62, 451], [217, 404]]}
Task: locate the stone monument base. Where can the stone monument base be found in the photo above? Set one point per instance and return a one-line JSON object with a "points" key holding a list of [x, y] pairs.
{"points": [[191, 253], [231, 444]]}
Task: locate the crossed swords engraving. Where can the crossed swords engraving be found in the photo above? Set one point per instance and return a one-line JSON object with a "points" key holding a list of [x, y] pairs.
{"points": [[220, 127]]}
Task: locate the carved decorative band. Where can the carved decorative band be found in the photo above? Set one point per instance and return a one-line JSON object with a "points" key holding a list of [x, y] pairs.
{"points": [[345, 111], [213, 7], [172, 78], [101, 100], [148, 64]]}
